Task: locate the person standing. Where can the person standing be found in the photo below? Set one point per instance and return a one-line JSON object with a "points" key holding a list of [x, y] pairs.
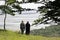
{"points": [[22, 27], [27, 28]]}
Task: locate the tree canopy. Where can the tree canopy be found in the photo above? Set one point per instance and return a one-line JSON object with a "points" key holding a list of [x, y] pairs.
{"points": [[8, 9], [33, 0], [10, 1], [52, 12]]}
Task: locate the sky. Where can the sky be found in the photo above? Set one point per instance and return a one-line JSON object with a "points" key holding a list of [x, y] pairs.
{"points": [[2, 2], [26, 5], [31, 5], [40, 0]]}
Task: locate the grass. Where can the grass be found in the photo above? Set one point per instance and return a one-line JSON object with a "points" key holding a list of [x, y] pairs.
{"points": [[9, 35]]}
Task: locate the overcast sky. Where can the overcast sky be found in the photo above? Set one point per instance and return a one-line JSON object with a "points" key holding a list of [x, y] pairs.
{"points": [[30, 5], [2, 2], [27, 5]]}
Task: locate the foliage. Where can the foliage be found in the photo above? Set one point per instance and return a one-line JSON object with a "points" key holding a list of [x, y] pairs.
{"points": [[37, 21], [11, 1], [51, 10], [7, 9], [19, 9], [48, 31], [33, 0]]}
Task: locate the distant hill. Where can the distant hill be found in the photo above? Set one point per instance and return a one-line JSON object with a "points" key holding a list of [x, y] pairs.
{"points": [[48, 31]]}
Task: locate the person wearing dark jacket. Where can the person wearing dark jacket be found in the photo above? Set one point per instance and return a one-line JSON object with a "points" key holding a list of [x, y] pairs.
{"points": [[22, 27], [27, 28]]}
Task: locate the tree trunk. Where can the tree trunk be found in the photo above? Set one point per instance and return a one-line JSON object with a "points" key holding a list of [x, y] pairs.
{"points": [[5, 21]]}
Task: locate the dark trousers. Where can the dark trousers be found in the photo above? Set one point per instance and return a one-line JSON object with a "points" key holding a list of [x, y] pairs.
{"points": [[27, 31], [22, 31]]}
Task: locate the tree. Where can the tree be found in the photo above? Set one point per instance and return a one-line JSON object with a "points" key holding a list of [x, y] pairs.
{"points": [[19, 9], [23, 1], [33, 0], [51, 10], [6, 10]]}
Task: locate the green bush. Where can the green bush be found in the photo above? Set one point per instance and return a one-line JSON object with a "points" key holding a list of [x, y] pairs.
{"points": [[48, 31]]}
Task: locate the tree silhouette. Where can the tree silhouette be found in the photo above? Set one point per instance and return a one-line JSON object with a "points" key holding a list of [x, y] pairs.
{"points": [[51, 10], [33, 0], [6, 9]]}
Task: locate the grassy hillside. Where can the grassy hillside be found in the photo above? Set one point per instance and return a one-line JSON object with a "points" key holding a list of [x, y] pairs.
{"points": [[9, 35], [48, 31]]}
